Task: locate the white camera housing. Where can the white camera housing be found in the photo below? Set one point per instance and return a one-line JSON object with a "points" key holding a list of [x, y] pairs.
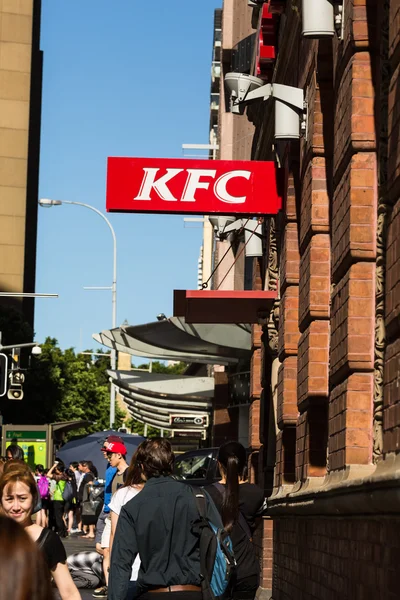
{"points": [[36, 351], [289, 101], [239, 85], [252, 236], [318, 19], [219, 223]]}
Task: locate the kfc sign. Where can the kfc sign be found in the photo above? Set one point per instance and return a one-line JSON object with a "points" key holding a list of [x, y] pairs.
{"points": [[161, 185]]}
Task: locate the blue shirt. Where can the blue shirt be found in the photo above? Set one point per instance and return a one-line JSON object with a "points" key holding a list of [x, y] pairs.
{"points": [[110, 474]]}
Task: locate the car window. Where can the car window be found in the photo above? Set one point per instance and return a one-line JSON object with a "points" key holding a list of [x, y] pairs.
{"points": [[193, 467]]}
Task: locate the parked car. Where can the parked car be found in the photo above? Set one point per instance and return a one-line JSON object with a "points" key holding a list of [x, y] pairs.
{"points": [[198, 467]]}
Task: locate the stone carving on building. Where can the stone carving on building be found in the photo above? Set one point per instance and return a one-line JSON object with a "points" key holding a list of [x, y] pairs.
{"points": [[384, 211], [272, 283]]}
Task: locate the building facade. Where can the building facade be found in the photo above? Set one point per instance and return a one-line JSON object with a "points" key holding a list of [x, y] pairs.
{"points": [[20, 110], [324, 422]]}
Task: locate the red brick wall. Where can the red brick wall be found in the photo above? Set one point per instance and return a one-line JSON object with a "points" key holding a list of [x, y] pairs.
{"points": [[391, 416], [333, 558]]}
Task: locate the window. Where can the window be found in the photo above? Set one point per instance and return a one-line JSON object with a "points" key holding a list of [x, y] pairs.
{"points": [[193, 467]]}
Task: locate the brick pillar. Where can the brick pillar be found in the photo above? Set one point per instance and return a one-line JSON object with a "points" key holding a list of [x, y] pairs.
{"points": [[288, 342], [354, 220]]}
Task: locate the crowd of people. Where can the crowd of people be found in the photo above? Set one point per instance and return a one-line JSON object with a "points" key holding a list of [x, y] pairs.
{"points": [[147, 526]]}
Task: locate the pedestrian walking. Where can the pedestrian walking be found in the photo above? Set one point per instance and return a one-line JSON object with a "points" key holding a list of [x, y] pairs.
{"points": [[133, 484], [18, 497], [157, 524], [112, 482], [87, 523], [239, 503], [57, 473], [23, 571], [71, 500], [44, 492]]}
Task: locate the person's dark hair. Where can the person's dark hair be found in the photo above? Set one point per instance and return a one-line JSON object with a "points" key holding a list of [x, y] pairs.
{"points": [[90, 466], [59, 473], [39, 469], [134, 471], [20, 556], [16, 451], [232, 457], [158, 457], [74, 464]]}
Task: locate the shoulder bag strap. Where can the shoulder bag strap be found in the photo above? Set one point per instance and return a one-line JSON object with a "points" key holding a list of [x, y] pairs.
{"points": [[43, 540]]}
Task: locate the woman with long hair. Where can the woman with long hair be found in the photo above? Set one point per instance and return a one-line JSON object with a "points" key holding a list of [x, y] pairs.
{"points": [[23, 571], [18, 497], [239, 503]]}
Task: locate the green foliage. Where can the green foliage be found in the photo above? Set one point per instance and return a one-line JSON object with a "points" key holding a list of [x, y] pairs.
{"points": [[64, 386], [159, 367]]}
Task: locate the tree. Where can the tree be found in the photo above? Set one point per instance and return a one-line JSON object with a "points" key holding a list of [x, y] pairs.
{"points": [[64, 386]]}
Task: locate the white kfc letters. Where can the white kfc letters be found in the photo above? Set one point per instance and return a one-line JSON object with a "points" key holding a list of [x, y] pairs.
{"points": [[193, 183]]}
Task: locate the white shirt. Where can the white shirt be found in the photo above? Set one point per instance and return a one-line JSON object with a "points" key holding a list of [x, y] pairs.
{"points": [[121, 497]]}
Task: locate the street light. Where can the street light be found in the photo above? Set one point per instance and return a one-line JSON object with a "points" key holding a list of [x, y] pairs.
{"points": [[47, 203]]}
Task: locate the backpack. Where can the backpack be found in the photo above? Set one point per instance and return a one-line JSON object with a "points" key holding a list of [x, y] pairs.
{"points": [[217, 562], [43, 487], [68, 492]]}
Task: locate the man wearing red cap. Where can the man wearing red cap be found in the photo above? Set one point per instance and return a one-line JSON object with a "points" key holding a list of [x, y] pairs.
{"points": [[115, 451]]}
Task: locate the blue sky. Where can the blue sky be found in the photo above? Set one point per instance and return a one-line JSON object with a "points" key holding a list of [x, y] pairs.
{"points": [[121, 78]]}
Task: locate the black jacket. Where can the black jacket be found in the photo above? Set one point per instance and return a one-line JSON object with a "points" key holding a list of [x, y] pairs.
{"points": [[157, 524]]}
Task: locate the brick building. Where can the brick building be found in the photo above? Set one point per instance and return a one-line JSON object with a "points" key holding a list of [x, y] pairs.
{"points": [[324, 418]]}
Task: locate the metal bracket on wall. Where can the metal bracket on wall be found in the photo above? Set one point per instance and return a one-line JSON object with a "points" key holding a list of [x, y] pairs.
{"points": [[304, 121], [339, 19]]}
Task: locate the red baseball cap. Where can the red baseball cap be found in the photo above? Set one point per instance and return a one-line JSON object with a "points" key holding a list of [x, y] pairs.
{"points": [[117, 447], [111, 438]]}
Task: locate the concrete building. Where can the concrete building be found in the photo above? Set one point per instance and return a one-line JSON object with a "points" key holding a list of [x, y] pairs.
{"points": [[324, 424], [20, 114]]}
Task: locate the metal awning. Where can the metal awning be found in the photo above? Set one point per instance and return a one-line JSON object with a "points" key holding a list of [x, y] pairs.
{"points": [[174, 339], [223, 306], [171, 402]]}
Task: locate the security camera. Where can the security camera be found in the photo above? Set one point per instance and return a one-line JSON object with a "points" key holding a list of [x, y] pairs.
{"points": [[289, 102], [240, 85], [219, 224], [253, 236], [161, 317], [36, 351]]}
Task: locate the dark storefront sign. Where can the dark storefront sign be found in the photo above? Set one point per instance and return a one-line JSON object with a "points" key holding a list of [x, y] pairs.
{"points": [[198, 420]]}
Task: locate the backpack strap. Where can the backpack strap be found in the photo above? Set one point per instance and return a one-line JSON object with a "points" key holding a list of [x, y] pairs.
{"points": [[201, 501], [241, 520]]}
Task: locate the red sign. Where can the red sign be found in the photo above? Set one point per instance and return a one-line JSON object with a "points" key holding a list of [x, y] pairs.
{"points": [[171, 185]]}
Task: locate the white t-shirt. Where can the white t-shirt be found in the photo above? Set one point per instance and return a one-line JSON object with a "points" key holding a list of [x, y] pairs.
{"points": [[121, 497]]}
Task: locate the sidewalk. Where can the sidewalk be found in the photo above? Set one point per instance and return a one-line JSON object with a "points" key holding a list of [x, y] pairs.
{"points": [[77, 544]]}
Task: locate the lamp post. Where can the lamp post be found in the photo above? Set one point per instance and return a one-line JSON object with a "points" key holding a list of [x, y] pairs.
{"points": [[47, 203]]}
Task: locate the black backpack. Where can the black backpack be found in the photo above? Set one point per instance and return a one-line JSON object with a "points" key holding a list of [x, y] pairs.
{"points": [[217, 561]]}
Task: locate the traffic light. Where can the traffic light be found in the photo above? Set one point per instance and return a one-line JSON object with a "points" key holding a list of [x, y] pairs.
{"points": [[3, 374], [15, 391]]}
